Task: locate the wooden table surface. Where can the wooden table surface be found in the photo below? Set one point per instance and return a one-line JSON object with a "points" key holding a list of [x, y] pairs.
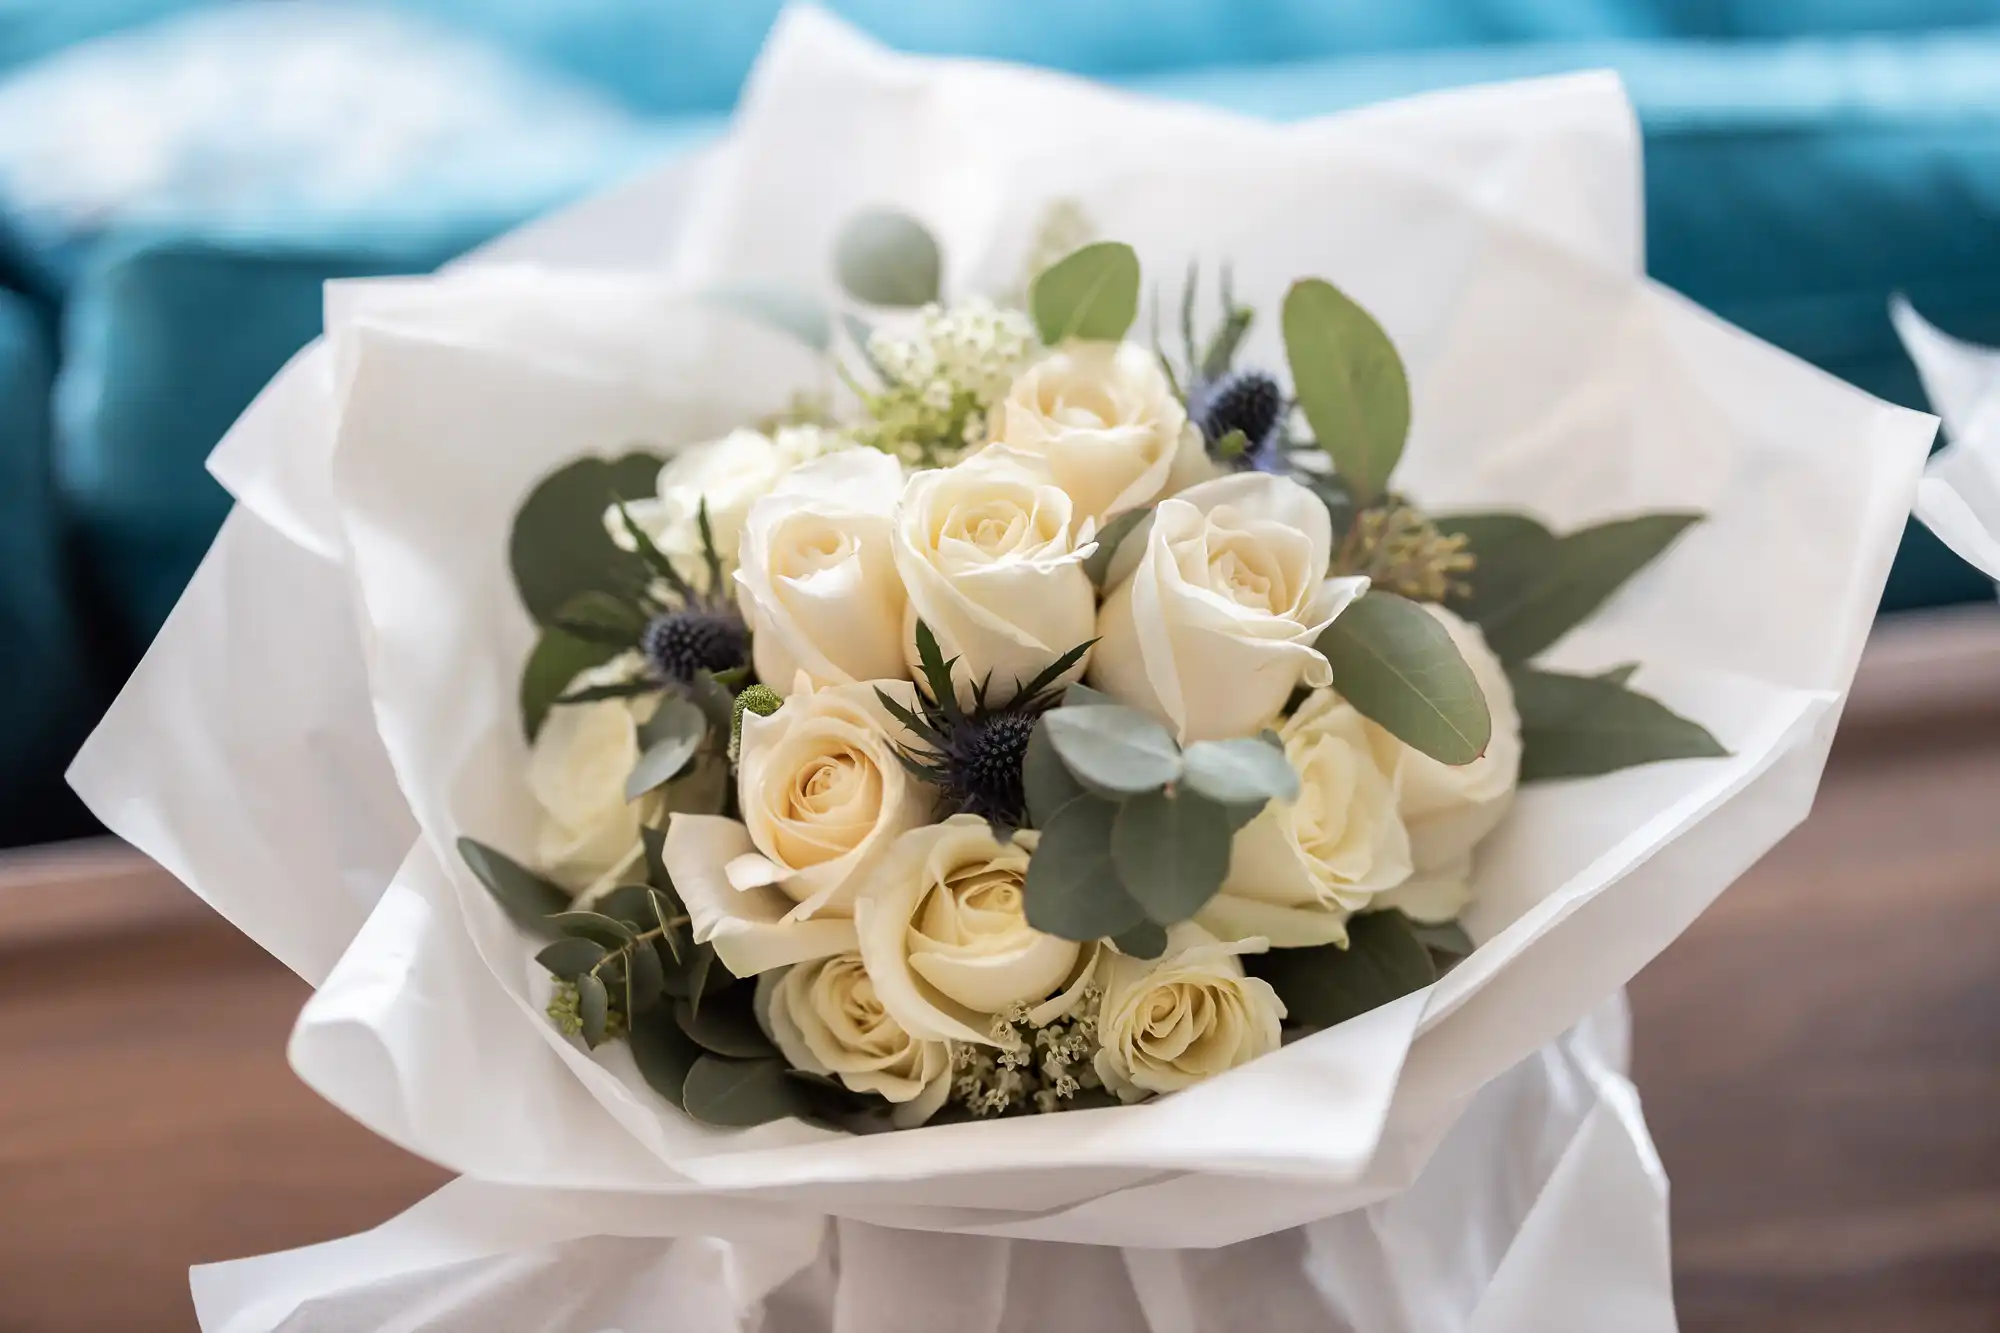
{"points": [[1819, 1056]]}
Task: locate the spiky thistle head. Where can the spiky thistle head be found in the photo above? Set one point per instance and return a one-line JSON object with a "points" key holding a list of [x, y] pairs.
{"points": [[687, 630], [974, 755], [1241, 417]]}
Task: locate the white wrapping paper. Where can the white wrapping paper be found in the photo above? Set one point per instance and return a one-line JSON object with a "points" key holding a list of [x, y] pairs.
{"points": [[1495, 234], [1959, 496]]}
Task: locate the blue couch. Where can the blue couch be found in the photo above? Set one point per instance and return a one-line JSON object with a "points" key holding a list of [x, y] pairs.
{"points": [[177, 179]]}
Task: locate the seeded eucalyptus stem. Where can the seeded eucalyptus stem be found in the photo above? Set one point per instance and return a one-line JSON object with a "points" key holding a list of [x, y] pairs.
{"points": [[658, 932]]}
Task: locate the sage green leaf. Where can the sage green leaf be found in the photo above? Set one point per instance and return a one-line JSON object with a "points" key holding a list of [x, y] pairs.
{"points": [[1220, 353], [697, 976], [1114, 748], [556, 660], [526, 897], [1324, 986], [1113, 534], [606, 930], [739, 1093], [1072, 887], [888, 258], [566, 958], [1172, 852], [602, 618], [1080, 695], [1581, 726], [1048, 785], [725, 1025], [1396, 663], [655, 843], [1148, 939], [559, 547], [1445, 937], [670, 738], [1092, 294], [593, 1005], [645, 978], [663, 1053], [716, 701], [1247, 771], [630, 903], [1349, 382], [786, 309], [1530, 587]]}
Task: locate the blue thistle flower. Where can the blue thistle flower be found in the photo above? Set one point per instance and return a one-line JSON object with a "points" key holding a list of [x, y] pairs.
{"points": [[1245, 403]]}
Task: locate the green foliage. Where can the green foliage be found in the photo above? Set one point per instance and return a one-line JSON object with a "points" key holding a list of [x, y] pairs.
{"points": [[741, 1093], [1247, 771], [1072, 887], [556, 660], [1444, 939], [1048, 784], [1398, 666], [1113, 749], [1109, 538], [1093, 294], [527, 898], [725, 1025], [1384, 960], [668, 741], [1148, 939], [1171, 850], [1529, 587], [1581, 726], [1349, 382], [559, 548], [888, 258], [663, 1053]]}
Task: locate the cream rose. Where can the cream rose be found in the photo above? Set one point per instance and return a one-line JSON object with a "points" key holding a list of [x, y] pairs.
{"points": [[1450, 808], [1105, 419], [944, 931], [1215, 625], [823, 794], [817, 577], [1301, 868], [1169, 1023], [588, 833], [730, 474], [991, 553], [826, 1019]]}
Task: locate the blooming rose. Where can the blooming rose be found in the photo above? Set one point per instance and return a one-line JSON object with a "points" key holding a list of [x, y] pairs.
{"points": [[1169, 1023], [588, 833], [826, 1019], [991, 552], [730, 474], [1214, 627], [944, 931], [1447, 807], [817, 577], [1106, 420], [1301, 868]]}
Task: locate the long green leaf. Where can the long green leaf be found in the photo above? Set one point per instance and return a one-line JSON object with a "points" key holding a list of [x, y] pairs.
{"points": [[888, 258], [1581, 726], [1396, 663], [1384, 960], [1349, 382], [526, 897], [1093, 294]]}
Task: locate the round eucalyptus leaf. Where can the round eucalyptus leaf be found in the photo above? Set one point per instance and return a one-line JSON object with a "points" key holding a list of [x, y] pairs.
{"points": [[1092, 294], [566, 958], [1172, 852], [1248, 770], [557, 659], [559, 547], [1048, 785], [1384, 960], [1114, 748], [888, 258], [741, 1093], [1072, 887], [645, 978], [724, 1025], [1148, 939], [663, 1053], [606, 930], [671, 737], [593, 1005]]}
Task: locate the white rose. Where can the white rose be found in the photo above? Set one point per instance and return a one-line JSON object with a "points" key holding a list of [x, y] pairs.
{"points": [[1104, 417], [1215, 626], [1301, 868], [730, 474], [991, 553], [1450, 808], [825, 1018], [1168, 1023], [817, 577], [588, 832], [944, 931], [824, 794]]}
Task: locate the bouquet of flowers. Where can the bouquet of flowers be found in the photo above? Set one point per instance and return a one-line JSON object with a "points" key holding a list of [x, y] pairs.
{"points": [[689, 703]]}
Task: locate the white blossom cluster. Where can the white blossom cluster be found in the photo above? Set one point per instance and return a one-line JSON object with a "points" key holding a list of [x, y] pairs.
{"points": [[940, 381]]}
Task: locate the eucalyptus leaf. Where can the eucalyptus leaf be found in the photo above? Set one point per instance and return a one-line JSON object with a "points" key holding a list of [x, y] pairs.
{"points": [[1048, 785], [654, 841], [1248, 770], [725, 1025], [566, 958], [671, 737], [1172, 852], [1582, 726], [1146, 940], [559, 548], [667, 915], [790, 311], [1325, 986], [557, 659], [629, 903], [1349, 382], [741, 1093], [602, 618], [1530, 587], [645, 978], [1109, 538], [888, 258], [1072, 888], [593, 1005], [1092, 294], [606, 930], [1113, 748], [663, 1053], [1080, 695], [527, 898], [1397, 664]]}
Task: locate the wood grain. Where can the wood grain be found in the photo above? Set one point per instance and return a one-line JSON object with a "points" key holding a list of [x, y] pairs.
{"points": [[1820, 1058]]}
